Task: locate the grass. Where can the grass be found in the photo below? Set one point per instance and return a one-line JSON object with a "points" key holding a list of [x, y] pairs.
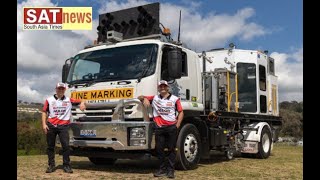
{"points": [[31, 152], [285, 162]]}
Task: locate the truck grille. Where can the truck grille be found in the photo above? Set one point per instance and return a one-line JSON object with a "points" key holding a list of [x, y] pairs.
{"points": [[97, 114]]}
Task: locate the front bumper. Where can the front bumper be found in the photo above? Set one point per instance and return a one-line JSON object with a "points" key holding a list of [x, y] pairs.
{"points": [[114, 135]]}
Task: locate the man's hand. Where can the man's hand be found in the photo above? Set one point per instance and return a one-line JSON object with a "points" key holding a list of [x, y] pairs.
{"points": [[45, 128], [82, 106], [146, 102], [178, 125], [141, 98]]}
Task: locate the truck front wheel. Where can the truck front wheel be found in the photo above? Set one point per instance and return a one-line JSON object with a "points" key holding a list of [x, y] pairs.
{"points": [[264, 146], [229, 154], [188, 145], [102, 161]]}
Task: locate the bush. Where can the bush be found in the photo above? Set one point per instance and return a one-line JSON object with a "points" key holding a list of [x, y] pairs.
{"points": [[292, 116], [30, 138]]}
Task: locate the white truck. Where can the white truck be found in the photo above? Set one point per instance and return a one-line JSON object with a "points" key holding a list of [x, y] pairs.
{"points": [[229, 96]]}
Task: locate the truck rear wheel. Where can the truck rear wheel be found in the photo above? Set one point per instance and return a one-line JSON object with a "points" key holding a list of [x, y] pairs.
{"points": [[188, 144], [264, 146], [102, 161]]}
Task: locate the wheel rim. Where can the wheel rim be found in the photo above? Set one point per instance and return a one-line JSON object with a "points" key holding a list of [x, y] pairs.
{"points": [[229, 154], [190, 147], [265, 143]]}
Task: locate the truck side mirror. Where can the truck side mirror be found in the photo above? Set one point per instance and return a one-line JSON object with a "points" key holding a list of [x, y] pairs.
{"points": [[175, 63], [65, 69]]}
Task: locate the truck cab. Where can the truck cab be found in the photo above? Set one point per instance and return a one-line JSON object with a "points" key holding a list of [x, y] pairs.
{"points": [[104, 75]]}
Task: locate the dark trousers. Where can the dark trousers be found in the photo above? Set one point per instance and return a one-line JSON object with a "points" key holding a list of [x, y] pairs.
{"points": [[166, 137], [62, 132]]}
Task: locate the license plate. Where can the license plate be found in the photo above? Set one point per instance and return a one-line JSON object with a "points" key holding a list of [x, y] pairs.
{"points": [[88, 132], [250, 147]]}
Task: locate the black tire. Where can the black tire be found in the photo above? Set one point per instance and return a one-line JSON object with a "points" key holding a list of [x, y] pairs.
{"points": [[102, 161], [189, 148], [264, 146]]}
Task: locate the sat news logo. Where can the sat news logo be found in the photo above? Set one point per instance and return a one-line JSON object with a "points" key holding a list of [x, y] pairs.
{"points": [[57, 18]]}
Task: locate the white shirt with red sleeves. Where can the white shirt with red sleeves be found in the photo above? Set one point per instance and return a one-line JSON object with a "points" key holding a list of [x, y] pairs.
{"points": [[164, 109], [59, 109]]}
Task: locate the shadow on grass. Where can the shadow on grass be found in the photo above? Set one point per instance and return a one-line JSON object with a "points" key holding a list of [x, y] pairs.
{"points": [[120, 166], [219, 157], [215, 157], [140, 166]]}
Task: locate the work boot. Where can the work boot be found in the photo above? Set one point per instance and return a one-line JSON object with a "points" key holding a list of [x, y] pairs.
{"points": [[171, 174], [67, 169], [160, 173], [51, 169]]}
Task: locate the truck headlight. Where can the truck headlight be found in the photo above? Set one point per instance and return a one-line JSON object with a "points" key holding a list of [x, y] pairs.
{"points": [[137, 136], [138, 132]]}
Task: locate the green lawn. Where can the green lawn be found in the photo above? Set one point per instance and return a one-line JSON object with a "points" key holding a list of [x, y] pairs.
{"points": [[285, 162]]}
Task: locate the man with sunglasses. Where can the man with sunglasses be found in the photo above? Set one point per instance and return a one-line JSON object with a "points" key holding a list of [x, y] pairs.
{"points": [[165, 105], [56, 115]]}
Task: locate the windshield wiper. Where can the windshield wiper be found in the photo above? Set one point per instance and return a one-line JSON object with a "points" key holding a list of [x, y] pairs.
{"points": [[144, 72]]}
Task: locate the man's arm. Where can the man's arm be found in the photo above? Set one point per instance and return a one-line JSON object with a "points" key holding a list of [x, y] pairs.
{"points": [[45, 110], [145, 100], [45, 127], [81, 101], [180, 118], [180, 111]]}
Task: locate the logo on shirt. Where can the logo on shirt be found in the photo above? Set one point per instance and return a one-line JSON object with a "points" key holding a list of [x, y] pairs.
{"points": [[169, 104], [60, 111], [164, 111], [53, 104]]}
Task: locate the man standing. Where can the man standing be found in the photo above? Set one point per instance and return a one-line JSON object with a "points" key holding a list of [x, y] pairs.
{"points": [[165, 106], [56, 116]]}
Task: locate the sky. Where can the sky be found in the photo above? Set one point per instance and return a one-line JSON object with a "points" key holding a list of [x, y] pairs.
{"points": [[273, 25]]}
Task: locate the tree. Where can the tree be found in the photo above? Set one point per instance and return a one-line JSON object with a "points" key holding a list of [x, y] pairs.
{"points": [[291, 113]]}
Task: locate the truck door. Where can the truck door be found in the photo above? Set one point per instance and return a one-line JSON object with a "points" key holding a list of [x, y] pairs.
{"points": [[186, 86]]}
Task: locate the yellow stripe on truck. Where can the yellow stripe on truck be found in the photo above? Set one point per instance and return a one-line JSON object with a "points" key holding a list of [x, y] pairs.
{"points": [[121, 93]]}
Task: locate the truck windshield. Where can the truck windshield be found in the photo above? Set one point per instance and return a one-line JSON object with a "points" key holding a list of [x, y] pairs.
{"points": [[121, 63]]}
